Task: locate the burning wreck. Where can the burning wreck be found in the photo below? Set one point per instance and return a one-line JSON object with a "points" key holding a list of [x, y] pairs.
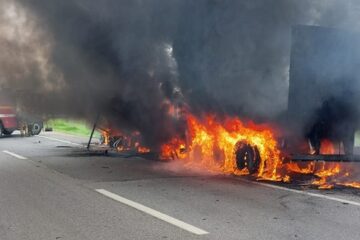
{"points": [[314, 137]]}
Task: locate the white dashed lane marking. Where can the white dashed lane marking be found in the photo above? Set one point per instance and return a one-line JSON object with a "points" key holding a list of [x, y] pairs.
{"points": [[14, 154], [152, 212]]}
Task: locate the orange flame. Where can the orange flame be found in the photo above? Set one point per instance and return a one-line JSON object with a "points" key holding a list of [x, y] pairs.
{"points": [[211, 144], [142, 149], [125, 142], [106, 137], [329, 174]]}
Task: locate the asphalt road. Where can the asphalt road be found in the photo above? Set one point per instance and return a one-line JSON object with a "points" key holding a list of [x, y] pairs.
{"points": [[51, 188]]}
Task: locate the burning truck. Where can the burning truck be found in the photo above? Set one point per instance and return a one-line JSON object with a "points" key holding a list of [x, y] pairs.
{"points": [[324, 89], [315, 136]]}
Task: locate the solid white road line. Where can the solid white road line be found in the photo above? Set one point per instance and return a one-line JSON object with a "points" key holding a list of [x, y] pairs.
{"points": [[14, 154], [341, 200], [60, 140], [153, 212]]}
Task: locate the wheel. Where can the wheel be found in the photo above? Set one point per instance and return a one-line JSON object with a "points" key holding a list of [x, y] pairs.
{"points": [[6, 132], [36, 128], [1, 129], [247, 156]]}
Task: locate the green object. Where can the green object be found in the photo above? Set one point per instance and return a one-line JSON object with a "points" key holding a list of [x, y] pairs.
{"points": [[74, 127], [357, 139]]}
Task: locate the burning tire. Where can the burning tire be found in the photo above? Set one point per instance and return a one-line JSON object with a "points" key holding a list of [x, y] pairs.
{"points": [[247, 157]]}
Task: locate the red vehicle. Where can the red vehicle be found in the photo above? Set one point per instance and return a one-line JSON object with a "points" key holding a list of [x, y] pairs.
{"points": [[10, 120]]}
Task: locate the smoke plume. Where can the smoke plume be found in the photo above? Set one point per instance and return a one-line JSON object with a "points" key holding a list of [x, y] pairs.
{"points": [[122, 59]]}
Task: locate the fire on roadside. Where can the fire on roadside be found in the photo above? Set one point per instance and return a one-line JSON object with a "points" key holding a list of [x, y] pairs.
{"points": [[123, 142], [328, 174], [210, 143]]}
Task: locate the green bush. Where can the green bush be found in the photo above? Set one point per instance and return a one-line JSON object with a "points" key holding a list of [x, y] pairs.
{"points": [[74, 127]]}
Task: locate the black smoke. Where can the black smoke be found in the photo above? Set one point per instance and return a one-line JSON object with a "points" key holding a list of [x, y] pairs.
{"points": [[122, 59]]}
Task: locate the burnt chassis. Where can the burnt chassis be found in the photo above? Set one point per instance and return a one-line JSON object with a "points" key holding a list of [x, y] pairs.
{"points": [[247, 156]]}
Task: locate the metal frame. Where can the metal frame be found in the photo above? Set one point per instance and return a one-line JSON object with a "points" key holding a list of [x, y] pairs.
{"points": [[325, 157]]}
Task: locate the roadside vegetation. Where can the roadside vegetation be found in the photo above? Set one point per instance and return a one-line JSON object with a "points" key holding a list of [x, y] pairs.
{"points": [[69, 126]]}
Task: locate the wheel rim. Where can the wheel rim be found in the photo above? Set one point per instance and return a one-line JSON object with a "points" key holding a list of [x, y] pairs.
{"points": [[36, 129], [247, 157]]}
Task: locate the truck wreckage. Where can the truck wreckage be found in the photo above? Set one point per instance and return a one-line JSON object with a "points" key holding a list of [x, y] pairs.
{"points": [[323, 87]]}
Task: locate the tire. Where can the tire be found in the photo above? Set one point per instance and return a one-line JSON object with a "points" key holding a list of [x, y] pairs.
{"points": [[7, 133], [1, 129], [247, 157], [36, 128]]}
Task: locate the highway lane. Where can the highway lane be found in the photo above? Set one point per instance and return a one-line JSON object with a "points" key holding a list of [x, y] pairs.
{"points": [[52, 194]]}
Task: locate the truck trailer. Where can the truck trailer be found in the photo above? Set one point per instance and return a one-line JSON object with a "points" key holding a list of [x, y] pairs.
{"points": [[323, 97]]}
